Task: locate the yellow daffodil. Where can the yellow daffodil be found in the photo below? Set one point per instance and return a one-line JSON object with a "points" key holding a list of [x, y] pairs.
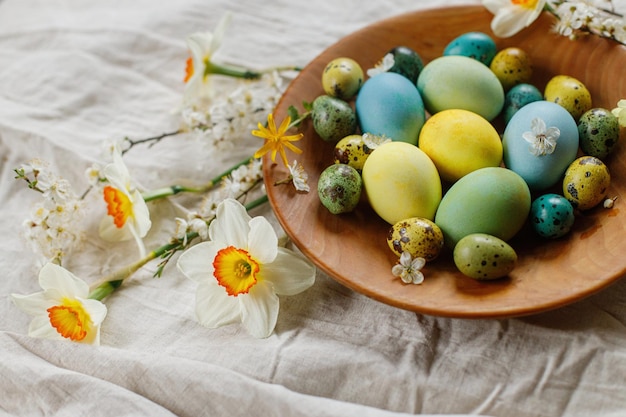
{"points": [[276, 140], [511, 16], [241, 270], [62, 310], [127, 213]]}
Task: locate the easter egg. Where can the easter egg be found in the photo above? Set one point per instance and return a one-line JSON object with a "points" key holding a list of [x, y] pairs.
{"points": [[333, 118], [570, 93], [342, 78], [339, 188], [484, 257], [512, 66], [491, 200], [459, 82], [527, 139], [352, 151], [401, 182], [551, 216], [519, 96], [390, 105], [406, 62], [598, 131], [476, 45], [586, 182], [459, 142], [420, 237]]}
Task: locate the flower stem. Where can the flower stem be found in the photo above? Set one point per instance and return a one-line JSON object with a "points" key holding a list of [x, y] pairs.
{"points": [[150, 139], [240, 72]]}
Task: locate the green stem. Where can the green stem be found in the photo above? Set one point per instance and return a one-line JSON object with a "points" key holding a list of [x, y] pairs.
{"points": [[240, 72]]}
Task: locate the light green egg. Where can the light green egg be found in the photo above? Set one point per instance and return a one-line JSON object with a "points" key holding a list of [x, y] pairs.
{"points": [[484, 257], [460, 82]]}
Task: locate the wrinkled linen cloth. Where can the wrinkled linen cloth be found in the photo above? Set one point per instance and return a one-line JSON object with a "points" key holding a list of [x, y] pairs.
{"points": [[74, 75]]}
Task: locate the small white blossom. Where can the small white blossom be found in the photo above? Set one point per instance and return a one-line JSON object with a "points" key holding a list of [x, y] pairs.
{"points": [[299, 177], [409, 269], [383, 65], [374, 141], [542, 140]]}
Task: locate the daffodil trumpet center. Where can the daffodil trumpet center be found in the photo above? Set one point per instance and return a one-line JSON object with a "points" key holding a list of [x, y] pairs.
{"points": [[527, 4], [69, 319], [235, 270], [119, 205]]}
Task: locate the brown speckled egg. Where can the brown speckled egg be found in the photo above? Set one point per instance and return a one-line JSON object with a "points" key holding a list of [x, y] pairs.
{"points": [[416, 235], [352, 151], [569, 93], [586, 182], [342, 78], [512, 66]]}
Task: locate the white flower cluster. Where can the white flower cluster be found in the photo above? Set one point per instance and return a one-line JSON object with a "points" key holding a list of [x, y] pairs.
{"points": [[233, 115], [596, 17], [54, 229]]}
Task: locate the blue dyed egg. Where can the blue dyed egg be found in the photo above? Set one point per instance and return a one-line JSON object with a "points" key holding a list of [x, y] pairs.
{"points": [[551, 216], [519, 96], [476, 45], [390, 105], [543, 170]]}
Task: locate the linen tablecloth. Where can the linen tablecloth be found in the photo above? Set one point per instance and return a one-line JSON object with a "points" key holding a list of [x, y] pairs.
{"points": [[76, 75]]}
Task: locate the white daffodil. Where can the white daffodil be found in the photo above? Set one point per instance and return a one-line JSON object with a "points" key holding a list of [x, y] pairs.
{"points": [[383, 65], [408, 269], [542, 140], [202, 46], [620, 112], [299, 177], [241, 270], [62, 310], [127, 216], [511, 16]]}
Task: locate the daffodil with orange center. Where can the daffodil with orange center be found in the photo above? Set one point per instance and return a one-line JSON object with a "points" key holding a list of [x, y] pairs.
{"points": [[511, 16], [241, 271], [276, 139], [127, 215], [62, 310]]}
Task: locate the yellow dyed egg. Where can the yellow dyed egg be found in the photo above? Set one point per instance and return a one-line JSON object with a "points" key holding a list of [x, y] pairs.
{"points": [[342, 78], [569, 93], [512, 66], [401, 181], [586, 182], [459, 142], [420, 237], [352, 151]]}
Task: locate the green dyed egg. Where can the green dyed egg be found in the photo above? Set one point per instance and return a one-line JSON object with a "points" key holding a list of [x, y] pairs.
{"points": [[491, 200], [484, 257], [339, 188], [406, 62], [460, 82], [333, 118], [598, 132], [420, 237]]}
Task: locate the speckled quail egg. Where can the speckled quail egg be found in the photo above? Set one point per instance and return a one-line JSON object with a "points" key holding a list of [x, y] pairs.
{"points": [[484, 257], [333, 118], [512, 66], [569, 93], [352, 151], [551, 216], [586, 182], [339, 188], [416, 235], [342, 78], [598, 131]]}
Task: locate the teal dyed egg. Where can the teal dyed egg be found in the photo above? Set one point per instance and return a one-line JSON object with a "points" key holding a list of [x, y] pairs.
{"points": [[484, 257], [333, 118], [339, 188], [540, 169], [599, 132], [519, 96], [459, 82], [476, 45], [551, 216], [390, 105], [406, 62], [491, 200]]}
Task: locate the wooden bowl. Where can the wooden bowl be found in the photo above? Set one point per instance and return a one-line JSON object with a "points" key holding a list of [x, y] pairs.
{"points": [[352, 248]]}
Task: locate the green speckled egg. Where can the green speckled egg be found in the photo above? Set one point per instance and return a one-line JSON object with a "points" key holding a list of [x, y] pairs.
{"points": [[342, 78], [569, 93], [339, 188], [484, 257], [333, 118], [512, 66], [598, 131], [519, 96], [406, 62], [551, 216], [416, 235], [352, 151], [586, 182]]}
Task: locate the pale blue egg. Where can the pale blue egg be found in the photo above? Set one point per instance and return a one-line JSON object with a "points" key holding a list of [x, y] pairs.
{"points": [[476, 45], [390, 105], [519, 96], [545, 170]]}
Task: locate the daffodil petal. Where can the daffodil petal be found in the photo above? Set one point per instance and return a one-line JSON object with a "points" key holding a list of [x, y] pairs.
{"points": [[506, 24], [262, 240], [32, 304], [290, 273], [141, 214], [230, 227], [117, 172], [111, 233], [494, 5], [40, 327], [52, 276], [214, 308], [96, 309], [196, 263], [218, 34], [259, 310]]}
